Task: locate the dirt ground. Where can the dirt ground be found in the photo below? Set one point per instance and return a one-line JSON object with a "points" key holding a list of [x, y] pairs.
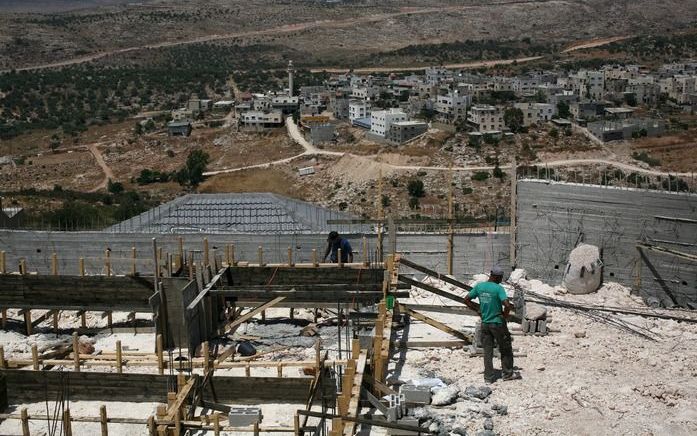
{"points": [[587, 379]]}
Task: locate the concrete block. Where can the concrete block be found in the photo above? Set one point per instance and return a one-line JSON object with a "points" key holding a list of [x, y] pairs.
{"points": [[542, 327], [415, 395], [244, 416], [407, 420]]}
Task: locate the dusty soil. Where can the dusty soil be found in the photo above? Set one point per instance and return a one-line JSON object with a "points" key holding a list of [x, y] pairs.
{"points": [[605, 382]]}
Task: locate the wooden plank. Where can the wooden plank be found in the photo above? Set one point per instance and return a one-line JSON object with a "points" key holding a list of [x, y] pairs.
{"points": [[354, 402], [247, 316], [458, 310], [431, 289], [437, 324], [434, 274], [214, 282]]}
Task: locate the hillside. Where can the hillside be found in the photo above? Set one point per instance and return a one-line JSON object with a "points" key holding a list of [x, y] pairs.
{"points": [[346, 28]]}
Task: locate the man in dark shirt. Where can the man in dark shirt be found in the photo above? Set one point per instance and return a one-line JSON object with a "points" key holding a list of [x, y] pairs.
{"points": [[334, 243], [494, 308]]}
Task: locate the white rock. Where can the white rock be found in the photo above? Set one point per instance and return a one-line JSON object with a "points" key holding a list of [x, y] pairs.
{"points": [[445, 396]]}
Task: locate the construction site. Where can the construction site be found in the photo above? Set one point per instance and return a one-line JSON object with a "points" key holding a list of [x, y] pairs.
{"points": [[219, 314]]}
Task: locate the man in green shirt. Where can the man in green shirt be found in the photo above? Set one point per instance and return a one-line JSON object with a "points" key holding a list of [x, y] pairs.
{"points": [[494, 308]]}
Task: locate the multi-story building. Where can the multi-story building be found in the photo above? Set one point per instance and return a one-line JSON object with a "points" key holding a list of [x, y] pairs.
{"points": [[452, 106], [534, 113], [380, 121], [645, 89], [485, 118], [588, 85], [358, 109], [403, 131], [261, 119]]}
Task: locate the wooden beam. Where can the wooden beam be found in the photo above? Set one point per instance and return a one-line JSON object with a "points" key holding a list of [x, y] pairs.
{"points": [[668, 251], [435, 274], [247, 316], [431, 289], [437, 324]]}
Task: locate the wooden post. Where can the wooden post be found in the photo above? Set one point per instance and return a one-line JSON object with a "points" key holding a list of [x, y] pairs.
{"points": [[81, 266], [314, 258], [22, 266], [24, 416], [54, 264], [56, 315], [232, 255], [247, 370], [260, 255], [256, 429], [107, 262], [296, 424], [318, 352], [160, 357], [168, 257], [152, 428], [190, 263], [514, 211], [206, 357], [83, 319], [4, 318], [27, 322], [103, 420], [119, 362], [228, 259], [341, 261], [290, 256], [205, 252], [216, 424], [2, 357], [35, 357], [156, 265], [365, 251], [134, 257], [76, 353], [279, 369], [3, 262], [110, 321], [451, 230], [337, 426], [181, 252], [67, 423], [381, 217]]}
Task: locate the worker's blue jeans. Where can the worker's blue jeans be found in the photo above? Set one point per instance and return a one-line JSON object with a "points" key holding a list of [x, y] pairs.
{"points": [[499, 333]]}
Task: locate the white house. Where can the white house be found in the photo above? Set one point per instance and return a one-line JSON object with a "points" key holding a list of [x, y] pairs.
{"points": [[358, 109], [381, 121], [588, 84]]}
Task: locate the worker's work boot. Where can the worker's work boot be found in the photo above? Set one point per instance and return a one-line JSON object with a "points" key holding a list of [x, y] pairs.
{"points": [[512, 376]]}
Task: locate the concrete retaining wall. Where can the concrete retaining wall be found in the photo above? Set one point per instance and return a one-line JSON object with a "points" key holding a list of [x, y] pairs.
{"points": [[554, 217]]}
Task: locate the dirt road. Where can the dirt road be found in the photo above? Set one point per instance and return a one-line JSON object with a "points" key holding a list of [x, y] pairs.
{"points": [[310, 150], [108, 174], [289, 28]]}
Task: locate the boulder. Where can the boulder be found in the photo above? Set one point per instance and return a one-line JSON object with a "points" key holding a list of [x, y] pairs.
{"points": [[584, 271], [481, 392], [445, 396], [534, 311]]}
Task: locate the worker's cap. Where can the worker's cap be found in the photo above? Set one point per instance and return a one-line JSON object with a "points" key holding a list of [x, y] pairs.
{"points": [[333, 235], [497, 271]]}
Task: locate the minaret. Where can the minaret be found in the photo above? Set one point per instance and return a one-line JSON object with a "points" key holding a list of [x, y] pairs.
{"points": [[291, 71]]}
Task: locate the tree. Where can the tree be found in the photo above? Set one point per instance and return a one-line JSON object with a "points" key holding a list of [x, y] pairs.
{"points": [[563, 109], [514, 118], [415, 187], [413, 203], [114, 187], [386, 201], [192, 172], [554, 134]]}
